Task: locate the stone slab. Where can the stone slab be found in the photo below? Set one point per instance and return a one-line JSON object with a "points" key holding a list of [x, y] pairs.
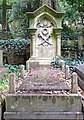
{"points": [[44, 78], [80, 71], [81, 83], [43, 116], [43, 102]]}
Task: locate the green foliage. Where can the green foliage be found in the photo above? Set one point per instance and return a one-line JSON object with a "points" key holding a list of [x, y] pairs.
{"points": [[13, 69], [4, 83], [72, 63], [55, 63], [68, 33], [70, 47], [18, 18], [74, 14], [18, 46]]}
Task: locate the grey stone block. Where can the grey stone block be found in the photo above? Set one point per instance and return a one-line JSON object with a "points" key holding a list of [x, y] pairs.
{"points": [[43, 115], [43, 102]]}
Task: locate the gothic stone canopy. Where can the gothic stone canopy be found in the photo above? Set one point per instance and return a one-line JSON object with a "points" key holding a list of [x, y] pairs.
{"points": [[48, 12]]}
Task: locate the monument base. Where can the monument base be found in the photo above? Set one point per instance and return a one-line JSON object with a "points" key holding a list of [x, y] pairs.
{"points": [[40, 107], [37, 62]]}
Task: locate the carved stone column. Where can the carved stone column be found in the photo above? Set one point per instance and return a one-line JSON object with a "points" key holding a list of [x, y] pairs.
{"points": [[58, 45], [32, 42], [33, 45]]}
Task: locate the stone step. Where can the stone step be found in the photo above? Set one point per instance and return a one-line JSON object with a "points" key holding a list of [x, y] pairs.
{"points": [[43, 115]]}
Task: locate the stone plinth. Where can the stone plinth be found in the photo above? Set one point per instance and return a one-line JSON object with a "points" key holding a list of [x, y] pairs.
{"points": [[38, 106]]}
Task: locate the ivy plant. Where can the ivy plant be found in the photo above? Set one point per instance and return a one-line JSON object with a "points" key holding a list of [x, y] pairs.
{"points": [[18, 46]]}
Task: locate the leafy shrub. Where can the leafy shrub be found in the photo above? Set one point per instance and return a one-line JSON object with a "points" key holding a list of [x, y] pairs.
{"points": [[18, 46], [72, 63]]}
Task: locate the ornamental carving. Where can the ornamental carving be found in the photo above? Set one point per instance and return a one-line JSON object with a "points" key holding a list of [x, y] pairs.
{"points": [[44, 32]]}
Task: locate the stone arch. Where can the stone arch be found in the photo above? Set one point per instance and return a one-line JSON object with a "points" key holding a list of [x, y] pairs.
{"points": [[48, 17]]}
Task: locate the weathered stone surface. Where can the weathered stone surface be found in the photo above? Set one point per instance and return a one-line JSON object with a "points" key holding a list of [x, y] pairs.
{"points": [[74, 83], [45, 30], [45, 103], [81, 83], [12, 83], [44, 78], [80, 71], [22, 67], [40, 106], [43, 115], [83, 104]]}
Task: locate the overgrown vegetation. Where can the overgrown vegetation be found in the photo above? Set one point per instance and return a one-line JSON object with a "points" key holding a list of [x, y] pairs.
{"points": [[19, 46], [4, 82], [72, 63]]}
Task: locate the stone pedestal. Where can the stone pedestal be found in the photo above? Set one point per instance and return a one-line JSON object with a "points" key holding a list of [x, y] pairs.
{"points": [[40, 107]]}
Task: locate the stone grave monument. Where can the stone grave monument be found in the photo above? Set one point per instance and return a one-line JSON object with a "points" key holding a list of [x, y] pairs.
{"points": [[45, 29], [44, 93]]}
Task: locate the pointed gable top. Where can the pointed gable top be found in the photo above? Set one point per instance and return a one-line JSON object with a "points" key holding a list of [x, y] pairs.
{"points": [[45, 8]]}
